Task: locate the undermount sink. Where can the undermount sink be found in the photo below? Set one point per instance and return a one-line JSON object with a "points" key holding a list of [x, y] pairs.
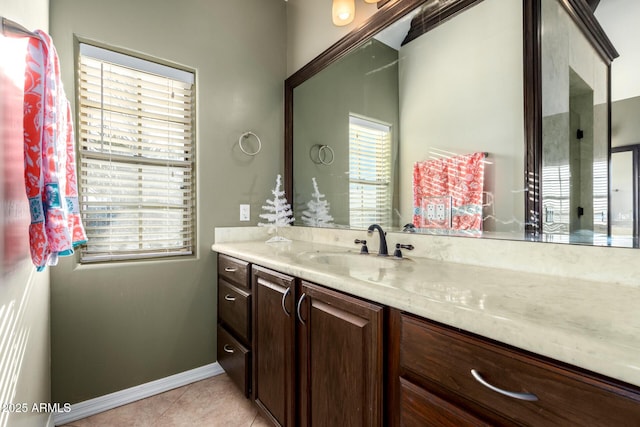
{"points": [[352, 260]]}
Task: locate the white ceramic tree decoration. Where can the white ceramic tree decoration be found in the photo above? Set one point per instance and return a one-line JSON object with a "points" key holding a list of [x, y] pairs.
{"points": [[277, 212], [317, 214]]}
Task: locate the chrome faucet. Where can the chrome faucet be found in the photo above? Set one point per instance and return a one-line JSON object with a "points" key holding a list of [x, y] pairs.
{"points": [[383, 241]]}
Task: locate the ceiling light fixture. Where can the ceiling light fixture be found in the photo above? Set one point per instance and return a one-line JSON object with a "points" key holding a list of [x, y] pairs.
{"points": [[343, 12]]}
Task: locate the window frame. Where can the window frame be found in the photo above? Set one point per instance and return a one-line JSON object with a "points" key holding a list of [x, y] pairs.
{"points": [[189, 224], [386, 183]]}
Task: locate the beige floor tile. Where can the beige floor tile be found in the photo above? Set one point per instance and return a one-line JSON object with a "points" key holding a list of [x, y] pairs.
{"points": [[142, 413], [260, 421], [212, 402]]}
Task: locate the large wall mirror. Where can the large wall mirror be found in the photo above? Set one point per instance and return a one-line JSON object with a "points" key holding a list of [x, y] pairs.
{"points": [[489, 118]]}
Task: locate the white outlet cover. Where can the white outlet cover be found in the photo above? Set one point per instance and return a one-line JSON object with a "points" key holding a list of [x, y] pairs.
{"points": [[431, 211], [245, 212]]}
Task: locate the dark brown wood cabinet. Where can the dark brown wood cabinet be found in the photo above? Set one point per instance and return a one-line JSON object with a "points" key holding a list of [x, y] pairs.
{"points": [[273, 345], [312, 356], [235, 359], [234, 309], [234, 320], [419, 408], [341, 359], [440, 373], [318, 354]]}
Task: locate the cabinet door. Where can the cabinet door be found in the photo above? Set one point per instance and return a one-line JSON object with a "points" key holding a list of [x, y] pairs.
{"points": [[340, 353], [273, 348]]}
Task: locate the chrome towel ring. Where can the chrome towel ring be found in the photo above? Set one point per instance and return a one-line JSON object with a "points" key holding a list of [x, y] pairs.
{"points": [[325, 154], [322, 155], [245, 136]]}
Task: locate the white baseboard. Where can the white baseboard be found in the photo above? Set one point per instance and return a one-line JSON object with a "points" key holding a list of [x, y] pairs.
{"points": [[104, 403]]}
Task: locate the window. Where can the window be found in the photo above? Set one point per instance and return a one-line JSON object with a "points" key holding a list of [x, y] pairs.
{"points": [[369, 173], [556, 181], [600, 196], [136, 157]]}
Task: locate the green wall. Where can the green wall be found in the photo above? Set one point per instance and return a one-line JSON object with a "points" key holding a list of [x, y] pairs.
{"points": [[120, 325]]}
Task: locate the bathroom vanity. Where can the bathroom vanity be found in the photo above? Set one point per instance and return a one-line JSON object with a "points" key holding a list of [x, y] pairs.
{"points": [[340, 336], [461, 331]]}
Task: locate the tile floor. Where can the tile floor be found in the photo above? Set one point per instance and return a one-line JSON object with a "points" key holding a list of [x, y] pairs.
{"points": [[212, 402]]}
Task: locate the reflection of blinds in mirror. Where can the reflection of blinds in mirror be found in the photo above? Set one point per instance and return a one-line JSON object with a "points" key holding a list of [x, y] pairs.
{"points": [[369, 173], [556, 181], [600, 194]]}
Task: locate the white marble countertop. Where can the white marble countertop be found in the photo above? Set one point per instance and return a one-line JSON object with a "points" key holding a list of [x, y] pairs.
{"points": [[592, 325]]}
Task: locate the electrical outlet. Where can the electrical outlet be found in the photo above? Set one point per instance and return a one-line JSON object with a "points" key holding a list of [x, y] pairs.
{"points": [[245, 212], [431, 211], [440, 216]]}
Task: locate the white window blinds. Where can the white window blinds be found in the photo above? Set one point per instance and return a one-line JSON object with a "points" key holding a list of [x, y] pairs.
{"points": [[137, 153], [600, 194], [369, 173]]}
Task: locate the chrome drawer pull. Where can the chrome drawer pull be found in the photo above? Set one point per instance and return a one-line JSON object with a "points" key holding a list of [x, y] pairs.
{"points": [[522, 396], [229, 298], [298, 308], [229, 349], [284, 298], [231, 269]]}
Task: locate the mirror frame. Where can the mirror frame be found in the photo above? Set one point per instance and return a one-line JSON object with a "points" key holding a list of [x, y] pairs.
{"points": [[579, 10]]}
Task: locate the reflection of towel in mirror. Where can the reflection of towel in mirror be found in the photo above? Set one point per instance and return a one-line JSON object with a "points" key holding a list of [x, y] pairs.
{"points": [[462, 178]]}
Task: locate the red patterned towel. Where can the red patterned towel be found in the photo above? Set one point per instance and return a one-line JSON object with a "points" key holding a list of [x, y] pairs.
{"points": [[49, 157], [462, 179]]}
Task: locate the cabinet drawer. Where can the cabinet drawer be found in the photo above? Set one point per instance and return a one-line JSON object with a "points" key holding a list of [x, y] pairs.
{"points": [[234, 308], [235, 360], [234, 270], [420, 408], [442, 359]]}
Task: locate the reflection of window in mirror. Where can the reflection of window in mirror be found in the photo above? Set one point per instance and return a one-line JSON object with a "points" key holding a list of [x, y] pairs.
{"points": [[574, 132], [369, 172]]}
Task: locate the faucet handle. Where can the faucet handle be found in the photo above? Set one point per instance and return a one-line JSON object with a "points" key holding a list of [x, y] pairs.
{"points": [[409, 228], [398, 253], [363, 249]]}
